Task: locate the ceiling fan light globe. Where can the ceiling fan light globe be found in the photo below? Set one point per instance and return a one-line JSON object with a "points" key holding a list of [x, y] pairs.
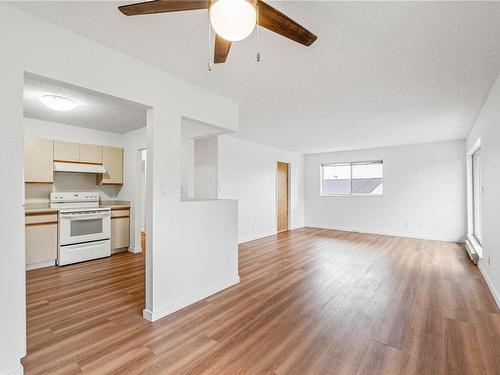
{"points": [[233, 20]]}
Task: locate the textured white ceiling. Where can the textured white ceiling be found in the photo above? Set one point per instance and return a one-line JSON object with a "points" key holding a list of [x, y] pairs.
{"points": [[381, 73], [94, 110]]}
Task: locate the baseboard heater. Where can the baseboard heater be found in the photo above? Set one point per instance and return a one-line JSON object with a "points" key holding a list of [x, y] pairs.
{"points": [[472, 253]]}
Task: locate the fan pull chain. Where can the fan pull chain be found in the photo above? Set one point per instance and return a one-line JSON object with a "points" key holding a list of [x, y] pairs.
{"points": [[210, 66], [257, 26]]}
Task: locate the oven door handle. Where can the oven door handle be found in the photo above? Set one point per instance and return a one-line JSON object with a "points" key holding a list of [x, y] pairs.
{"points": [[84, 217]]}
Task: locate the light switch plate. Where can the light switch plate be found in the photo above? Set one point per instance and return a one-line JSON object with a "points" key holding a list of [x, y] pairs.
{"points": [[163, 190]]}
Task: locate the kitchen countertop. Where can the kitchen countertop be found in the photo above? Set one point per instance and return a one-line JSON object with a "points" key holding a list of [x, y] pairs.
{"points": [[44, 207], [38, 207]]}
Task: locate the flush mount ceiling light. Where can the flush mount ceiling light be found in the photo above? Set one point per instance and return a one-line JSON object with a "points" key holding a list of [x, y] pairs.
{"points": [[233, 20], [58, 103]]}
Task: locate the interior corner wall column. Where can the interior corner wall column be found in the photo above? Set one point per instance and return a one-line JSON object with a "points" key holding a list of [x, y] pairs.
{"points": [[12, 255]]}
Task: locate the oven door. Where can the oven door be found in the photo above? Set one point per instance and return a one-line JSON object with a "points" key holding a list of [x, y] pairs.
{"points": [[84, 227]]}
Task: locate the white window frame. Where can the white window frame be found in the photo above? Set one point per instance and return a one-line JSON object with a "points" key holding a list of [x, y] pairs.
{"points": [[477, 193], [471, 238], [350, 163]]}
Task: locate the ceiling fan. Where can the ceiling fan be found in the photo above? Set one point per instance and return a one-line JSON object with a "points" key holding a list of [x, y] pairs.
{"points": [[232, 20]]}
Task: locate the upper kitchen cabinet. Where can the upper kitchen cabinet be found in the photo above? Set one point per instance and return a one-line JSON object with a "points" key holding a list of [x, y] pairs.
{"points": [[90, 154], [38, 160], [112, 161], [66, 151], [77, 153]]}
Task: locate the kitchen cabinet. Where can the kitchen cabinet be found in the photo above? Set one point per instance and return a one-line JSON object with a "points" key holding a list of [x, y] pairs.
{"points": [[77, 153], [120, 229], [112, 161], [40, 155], [38, 160], [66, 151], [41, 240], [90, 154]]}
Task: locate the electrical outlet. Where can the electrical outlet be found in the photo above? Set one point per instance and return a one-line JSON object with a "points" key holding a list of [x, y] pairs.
{"points": [[253, 227], [406, 224], [489, 261]]}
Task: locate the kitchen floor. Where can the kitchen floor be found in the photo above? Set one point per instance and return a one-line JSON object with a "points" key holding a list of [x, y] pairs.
{"points": [[310, 301]]}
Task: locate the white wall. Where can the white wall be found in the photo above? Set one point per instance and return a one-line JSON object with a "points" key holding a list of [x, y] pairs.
{"points": [[12, 255], [70, 182], [214, 225], [199, 172], [424, 193], [206, 168], [247, 172], [187, 168], [53, 130], [143, 189], [487, 128], [173, 274]]}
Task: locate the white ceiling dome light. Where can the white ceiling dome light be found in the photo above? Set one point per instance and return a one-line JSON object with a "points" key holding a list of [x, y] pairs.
{"points": [[233, 20], [58, 103]]}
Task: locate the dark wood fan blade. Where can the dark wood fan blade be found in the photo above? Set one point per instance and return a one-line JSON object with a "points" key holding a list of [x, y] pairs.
{"points": [[162, 6], [221, 50], [272, 19]]}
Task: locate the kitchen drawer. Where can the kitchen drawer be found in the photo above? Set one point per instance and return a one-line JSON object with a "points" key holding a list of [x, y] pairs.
{"points": [[120, 213], [32, 219]]}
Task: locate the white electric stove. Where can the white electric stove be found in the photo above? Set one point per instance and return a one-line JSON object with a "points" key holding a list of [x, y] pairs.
{"points": [[84, 227]]}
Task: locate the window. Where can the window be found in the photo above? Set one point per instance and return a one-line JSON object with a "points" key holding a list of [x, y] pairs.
{"points": [[476, 196], [356, 178]]}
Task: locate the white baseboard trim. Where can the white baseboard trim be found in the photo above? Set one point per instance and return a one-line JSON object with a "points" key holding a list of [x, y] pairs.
{"points": [[135, 250], [34, 266], [471, 250], [492, 288], [256, 237], [148, 315], [388, 233], [15, 371], [153, 315]]}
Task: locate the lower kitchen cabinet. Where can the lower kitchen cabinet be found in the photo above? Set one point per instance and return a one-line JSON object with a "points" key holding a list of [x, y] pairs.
{"points": [[41, 240], [120, 229]]}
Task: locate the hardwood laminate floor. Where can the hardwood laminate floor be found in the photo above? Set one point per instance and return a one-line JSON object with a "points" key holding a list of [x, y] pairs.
{"points": [[310, 301]]}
